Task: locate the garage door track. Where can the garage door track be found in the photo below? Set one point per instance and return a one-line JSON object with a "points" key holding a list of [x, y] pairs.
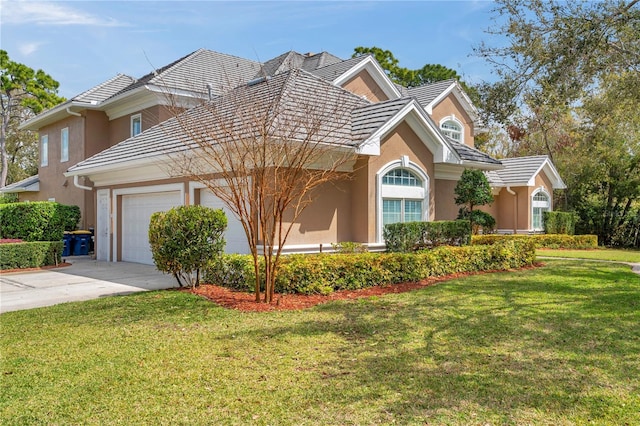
{"points": [[85, 279]]}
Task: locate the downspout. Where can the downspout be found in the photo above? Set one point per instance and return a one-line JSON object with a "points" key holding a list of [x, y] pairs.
{"points": [[73, 113], [76, 182], [515, 209]]}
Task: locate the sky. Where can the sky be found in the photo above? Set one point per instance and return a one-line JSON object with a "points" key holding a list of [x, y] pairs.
{"points": [[83, 43]]}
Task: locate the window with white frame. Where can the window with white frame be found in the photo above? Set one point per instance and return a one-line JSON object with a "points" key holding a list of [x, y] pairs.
{"points": [[541, 202], [136, 124], [403, 196], [64, 145], [44, 150], [453, 129]]}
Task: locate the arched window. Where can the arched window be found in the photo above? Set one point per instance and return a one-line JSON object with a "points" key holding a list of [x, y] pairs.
{"points": [[403, 194], [540, 202], [453, 129]]}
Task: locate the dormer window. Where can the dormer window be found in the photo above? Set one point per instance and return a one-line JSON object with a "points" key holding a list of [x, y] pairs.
{"points": [[452, 129], [136, 124]]}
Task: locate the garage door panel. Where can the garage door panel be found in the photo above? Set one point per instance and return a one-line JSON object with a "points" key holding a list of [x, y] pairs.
{"points": [[136, 216], [235, 236]]}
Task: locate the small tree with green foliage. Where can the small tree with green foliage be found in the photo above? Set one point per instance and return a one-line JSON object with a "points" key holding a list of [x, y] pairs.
{"points": [[184, 239], [473, 189]]}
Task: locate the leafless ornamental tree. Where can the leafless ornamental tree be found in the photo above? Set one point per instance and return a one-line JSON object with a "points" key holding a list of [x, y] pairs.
{"points": [[263, 148]]}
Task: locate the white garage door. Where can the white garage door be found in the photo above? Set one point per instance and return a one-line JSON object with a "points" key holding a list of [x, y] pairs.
{"points": [[235, 236], [136, 215]]}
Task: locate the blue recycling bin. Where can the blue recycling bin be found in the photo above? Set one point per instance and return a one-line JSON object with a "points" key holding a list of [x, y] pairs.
{"points": [[67, 240], [81, 241]]}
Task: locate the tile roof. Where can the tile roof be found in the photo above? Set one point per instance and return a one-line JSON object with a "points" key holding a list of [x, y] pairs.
{"points": [[471, 154], [193, 72], [298, 98], [30, 184], [426, 94], [368, 119], [521, 170], [335, 70], [105, 90], [292, 60]]}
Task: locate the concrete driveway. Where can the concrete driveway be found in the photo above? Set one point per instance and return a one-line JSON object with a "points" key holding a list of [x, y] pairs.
{"points": [[85, 279]]}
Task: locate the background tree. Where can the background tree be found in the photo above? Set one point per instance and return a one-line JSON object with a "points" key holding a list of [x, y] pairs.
{"points": [[429, 73], [23, 92], [569, 86], [263, 149], [473, 189]]}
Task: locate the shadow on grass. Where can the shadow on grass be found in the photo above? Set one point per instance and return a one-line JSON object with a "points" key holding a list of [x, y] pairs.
{"points": [[558, 343]]}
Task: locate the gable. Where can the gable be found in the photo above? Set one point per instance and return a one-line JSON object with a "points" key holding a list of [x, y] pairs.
{"points": [[362, 84], [450, 108]]}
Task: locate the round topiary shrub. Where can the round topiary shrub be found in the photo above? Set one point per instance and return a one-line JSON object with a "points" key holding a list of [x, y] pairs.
{"points": [[184, 239]]}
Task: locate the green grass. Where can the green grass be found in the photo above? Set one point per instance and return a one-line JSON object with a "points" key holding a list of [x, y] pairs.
{"points": [[554, 345], [616, 255]]}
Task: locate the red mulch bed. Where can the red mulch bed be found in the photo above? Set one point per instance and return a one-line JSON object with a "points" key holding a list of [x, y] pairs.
{"points": [[42, 268], [245, 302]]}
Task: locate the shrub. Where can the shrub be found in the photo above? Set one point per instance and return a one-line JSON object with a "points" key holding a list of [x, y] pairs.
{"points": [[554, 241], [30, 254], [479, 220], [234, 271], [184, 239], [70, 216], [559, 222], [349, 247], [325, 273], [412, 236], [34, 221]]}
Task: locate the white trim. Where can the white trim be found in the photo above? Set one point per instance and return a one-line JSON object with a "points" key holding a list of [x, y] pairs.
{"points": [[169, 187], [107, 224], [377, 74], [135, 117], [538, 204], [425, 130], [457, 121], [422, 193], [439, 98]]}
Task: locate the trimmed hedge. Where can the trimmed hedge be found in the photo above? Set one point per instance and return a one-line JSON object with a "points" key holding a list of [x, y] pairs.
{"points": [[555, 241], [30, 254], [413, 236], [559, 222], [184, 238], [37, 221], [325, 273]]}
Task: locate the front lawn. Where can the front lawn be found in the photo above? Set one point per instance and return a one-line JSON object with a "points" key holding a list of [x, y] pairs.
{"points": [[553, 345], [616, 255]]}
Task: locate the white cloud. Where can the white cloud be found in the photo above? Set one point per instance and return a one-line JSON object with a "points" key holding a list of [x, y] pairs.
{"points": [[48, 13], [27, 49]]}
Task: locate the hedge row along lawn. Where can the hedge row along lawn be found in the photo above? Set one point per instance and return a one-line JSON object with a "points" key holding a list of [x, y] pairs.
{"points": [[617, 255], [553, 345]]}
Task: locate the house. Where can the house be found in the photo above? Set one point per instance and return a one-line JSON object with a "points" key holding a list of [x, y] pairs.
{"points": [[411, 146]]}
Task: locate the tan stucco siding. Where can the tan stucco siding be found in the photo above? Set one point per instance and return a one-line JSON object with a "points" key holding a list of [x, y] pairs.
{"points": [[362, 201], [542, 181], [120, 128], [399, 142], [514, 206], [53, 184], [326, 219], [362, 84], [450, 106], [446, 208], [96, 132]]}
